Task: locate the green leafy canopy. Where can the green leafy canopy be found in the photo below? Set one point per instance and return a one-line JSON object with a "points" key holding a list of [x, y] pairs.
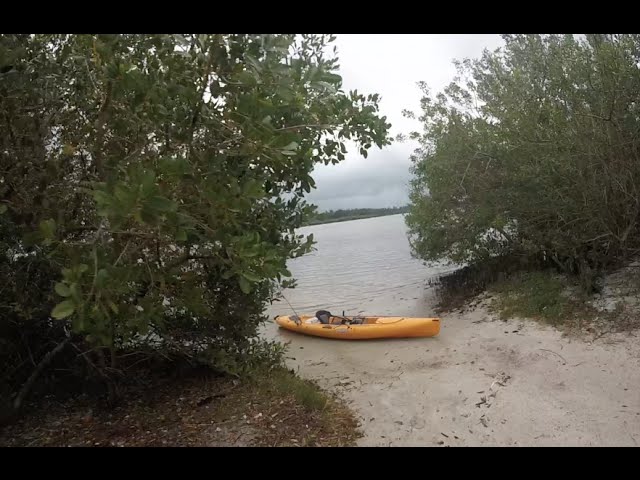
{"points": [[533, 149], [160, 178]]}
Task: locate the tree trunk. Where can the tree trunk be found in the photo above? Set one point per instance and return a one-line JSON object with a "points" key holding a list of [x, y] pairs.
{"points": [[26, 388]]}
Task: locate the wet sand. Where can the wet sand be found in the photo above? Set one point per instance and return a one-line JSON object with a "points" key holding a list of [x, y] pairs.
{"points": [[482, 382]]}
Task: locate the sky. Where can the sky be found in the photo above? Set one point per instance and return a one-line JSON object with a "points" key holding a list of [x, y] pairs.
{"points": [[390, 65]]}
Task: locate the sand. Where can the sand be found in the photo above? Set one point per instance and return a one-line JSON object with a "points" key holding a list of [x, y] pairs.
{"points": [[483, 382]]}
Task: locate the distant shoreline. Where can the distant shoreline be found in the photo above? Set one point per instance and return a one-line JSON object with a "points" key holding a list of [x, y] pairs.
{"points": [[344, 216], [347, 219]]}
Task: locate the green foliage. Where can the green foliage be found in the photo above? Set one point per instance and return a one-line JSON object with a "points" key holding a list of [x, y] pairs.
{"points": [[534, 295], [306, 393], [533, 150], [244, 359], [156, 181]]}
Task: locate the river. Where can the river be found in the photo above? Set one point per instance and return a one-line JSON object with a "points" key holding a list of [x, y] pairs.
{"points": [[360, 266]]}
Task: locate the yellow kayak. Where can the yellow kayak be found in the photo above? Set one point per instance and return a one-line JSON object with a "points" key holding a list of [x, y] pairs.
{"points": [[365, 328]]}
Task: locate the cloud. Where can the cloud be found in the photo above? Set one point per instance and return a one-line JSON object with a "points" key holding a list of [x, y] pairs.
{"points": [[379, 181], [390, 65]]}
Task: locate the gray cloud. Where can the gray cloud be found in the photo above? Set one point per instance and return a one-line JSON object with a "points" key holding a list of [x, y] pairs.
{"points": [[390, 65], [379, 181]]}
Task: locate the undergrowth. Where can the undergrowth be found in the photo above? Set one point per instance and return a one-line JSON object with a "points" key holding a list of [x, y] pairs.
{"points": [[541, 295], [197, 408], [280, 381]]}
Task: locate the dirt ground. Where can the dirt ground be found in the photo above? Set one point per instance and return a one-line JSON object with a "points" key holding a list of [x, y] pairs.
{"points": [[484, 382], [198, 409]]}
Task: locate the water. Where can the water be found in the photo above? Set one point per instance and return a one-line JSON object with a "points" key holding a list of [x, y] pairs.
{"points": [[361, 266]]}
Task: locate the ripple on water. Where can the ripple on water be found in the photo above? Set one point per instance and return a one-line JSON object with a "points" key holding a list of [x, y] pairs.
{"points": [[359, 266]]}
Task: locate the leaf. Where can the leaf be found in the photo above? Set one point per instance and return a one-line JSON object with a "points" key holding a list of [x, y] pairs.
{"points": [[246, 78], [181, 236], [332, 77], [286, 273], [102, 276], [101, 198], [162, 204], [252, 277], [291, 146], [323, 86], [83, 267], [228, 274], [68, 150], [62, 289], [253, 189], [3, 208], [75, 292], [245, 286], [311, 73], [272, 255], [48, 228], [181, 40], [113, 307], [63, 310], [285, 93], [148, 183], [254, 63], [125, 196], [202, 40], [145, 215]]}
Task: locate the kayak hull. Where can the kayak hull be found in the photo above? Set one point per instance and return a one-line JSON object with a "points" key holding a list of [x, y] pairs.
{"points": [[373, 328]]}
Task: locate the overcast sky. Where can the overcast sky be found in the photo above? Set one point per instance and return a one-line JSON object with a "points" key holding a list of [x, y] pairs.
{"points": [[390, 65]]}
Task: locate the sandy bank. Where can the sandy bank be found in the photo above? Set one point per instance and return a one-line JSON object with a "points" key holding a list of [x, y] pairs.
{"points": [[484, 381]]}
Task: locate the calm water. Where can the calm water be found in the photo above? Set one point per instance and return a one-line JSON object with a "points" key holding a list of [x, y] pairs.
{"points": [[361, 266]]}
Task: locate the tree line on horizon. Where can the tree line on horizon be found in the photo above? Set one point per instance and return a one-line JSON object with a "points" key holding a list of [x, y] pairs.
{"points": [[352, 214]]}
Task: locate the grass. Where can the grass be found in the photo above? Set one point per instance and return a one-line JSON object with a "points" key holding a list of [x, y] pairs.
{"points": [[304, 392], [308, 415], [539, 295], [524, 291]]}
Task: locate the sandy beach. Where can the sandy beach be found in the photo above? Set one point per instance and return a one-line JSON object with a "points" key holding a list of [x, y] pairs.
{"points": [[483, 382]]}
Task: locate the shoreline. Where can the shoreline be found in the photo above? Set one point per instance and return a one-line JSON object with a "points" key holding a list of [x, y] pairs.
{"points": [[487, 381], [351, 218]]}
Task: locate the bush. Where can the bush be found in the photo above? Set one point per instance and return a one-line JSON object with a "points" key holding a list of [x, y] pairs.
{"points": [[533, 151], [306, 393], [150, 188], [540, 295]]}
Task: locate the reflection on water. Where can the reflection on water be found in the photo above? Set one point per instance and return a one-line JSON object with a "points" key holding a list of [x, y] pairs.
{"points": [[360, 266]]}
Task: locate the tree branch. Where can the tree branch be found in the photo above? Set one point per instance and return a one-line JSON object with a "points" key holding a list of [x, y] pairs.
{"points": [[310, 125], [198, 109], [24, 391], [100, 127], [185, 258]]}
